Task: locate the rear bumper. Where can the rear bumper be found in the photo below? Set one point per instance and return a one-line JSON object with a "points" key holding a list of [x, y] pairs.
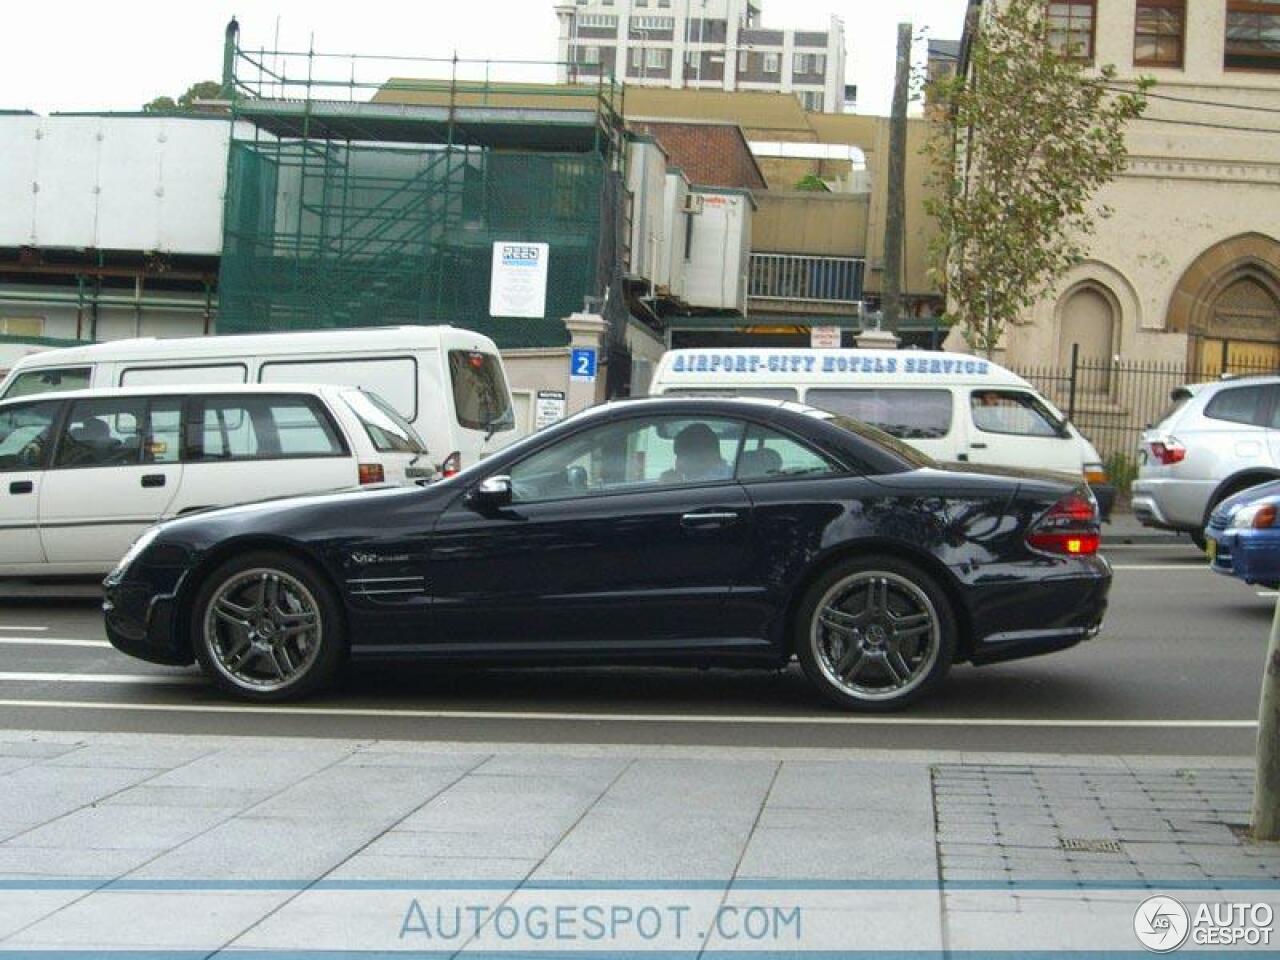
{"points": [[1054, 612], [1172, 504]]}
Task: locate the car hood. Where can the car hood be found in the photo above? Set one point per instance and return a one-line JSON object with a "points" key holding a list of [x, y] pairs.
{"points": [[1233, 503]]}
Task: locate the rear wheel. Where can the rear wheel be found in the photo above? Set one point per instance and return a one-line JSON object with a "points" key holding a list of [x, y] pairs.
{"points": [[266, 626], [875, 634]]}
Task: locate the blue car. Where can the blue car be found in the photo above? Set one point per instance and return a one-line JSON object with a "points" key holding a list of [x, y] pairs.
{"points": [[1243, 535]]}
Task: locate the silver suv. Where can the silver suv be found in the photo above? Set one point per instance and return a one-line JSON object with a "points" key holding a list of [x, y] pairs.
{"points": [[1217, 439]]}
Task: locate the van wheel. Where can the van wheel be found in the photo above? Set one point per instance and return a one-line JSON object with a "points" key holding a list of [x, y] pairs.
{"points": [[267, 627], [875, 634]]}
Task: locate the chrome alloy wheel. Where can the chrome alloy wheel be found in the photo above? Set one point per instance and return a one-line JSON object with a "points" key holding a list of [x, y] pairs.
{"points": [[875, 635], [263, 629]]}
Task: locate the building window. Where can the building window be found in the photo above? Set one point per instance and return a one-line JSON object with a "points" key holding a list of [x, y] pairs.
{"points": [[812, 100], [591, 55], [1158, 36], [1253, 35], [772, 63], [642, 3], [22, 326], [809, 63], [664, 3], [656, 58], [637, 56], [655, 24], [744, 61], [606, 21], [1071, 28]]}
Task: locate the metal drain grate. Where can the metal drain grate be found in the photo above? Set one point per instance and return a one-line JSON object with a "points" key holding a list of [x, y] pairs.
{"points": [[1087, 845]]}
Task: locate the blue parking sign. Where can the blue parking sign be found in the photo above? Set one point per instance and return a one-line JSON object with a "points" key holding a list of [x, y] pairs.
{"points": [[582, 363]]}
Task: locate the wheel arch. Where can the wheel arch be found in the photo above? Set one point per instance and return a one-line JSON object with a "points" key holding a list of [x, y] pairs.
{"points": [[880, 547], [222, 552]]}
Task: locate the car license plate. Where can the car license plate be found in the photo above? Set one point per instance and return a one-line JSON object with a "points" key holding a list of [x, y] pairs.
{"points": [[1211, 549]]}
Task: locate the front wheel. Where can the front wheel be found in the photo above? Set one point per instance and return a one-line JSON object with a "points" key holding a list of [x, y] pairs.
{"points": [[267, 627], [875, 634]]}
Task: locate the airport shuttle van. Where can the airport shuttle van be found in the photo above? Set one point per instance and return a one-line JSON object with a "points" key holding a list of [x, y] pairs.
{"points": [[953, 407], [448, 383]]}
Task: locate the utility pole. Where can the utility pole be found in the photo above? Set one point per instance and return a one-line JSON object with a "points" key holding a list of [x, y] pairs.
{"points": [[896, 215]]}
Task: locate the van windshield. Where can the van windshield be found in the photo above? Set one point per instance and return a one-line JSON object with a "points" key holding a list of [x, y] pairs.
{"points": [[46, 381], [388, 431], [480, 394]]}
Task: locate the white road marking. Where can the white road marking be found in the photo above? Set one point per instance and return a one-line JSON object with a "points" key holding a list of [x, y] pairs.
{"points": [[534, 715], [38, 676], [51, 642], [1197, 567], [1268, 593], [24, 628]]}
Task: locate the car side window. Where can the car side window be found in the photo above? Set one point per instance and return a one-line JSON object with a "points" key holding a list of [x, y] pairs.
{"points": [[48, 380], [106, 432], [1238, 405], [630, 455], [164, 431], [769, 455], [26, 434], [1012, 411], [259, 428]]}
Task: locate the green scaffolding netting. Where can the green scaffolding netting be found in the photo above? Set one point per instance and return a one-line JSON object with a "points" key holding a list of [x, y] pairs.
{"points": [[320, 234]]}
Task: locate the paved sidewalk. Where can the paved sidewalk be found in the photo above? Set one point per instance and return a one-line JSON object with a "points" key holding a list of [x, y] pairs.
{"points": [[201, 844]]}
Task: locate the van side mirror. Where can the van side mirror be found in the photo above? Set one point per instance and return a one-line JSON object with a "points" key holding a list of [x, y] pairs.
{"points": [[493, 492]]}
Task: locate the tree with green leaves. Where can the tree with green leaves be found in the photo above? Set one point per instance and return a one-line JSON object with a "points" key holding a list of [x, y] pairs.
{"points": [[1026, 139], [204, 90]]}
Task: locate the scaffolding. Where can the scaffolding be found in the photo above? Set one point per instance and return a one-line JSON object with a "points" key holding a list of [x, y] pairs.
{"points": [[356, 197]]}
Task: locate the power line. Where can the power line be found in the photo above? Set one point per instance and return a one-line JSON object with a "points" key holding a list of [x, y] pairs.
{"points": [[1206, 124], [1199, 103]]}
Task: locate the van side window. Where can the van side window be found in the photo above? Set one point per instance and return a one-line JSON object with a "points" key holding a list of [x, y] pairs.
{"points": [[185, 375], [48, 380], [907, 414], [260, 428], [1012, 411], [480, 393], [395, 379], [26, 434], [105, 432]]}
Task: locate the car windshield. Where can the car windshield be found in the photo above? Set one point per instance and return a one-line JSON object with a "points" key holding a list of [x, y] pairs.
{"points": [[871, 434], [388, 431]]}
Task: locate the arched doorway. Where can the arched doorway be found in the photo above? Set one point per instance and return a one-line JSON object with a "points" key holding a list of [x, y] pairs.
{"points": [[1088, 319], [1228, 303]]}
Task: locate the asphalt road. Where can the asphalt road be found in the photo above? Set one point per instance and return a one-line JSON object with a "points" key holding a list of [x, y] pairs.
{"points": [[1175, 671]]}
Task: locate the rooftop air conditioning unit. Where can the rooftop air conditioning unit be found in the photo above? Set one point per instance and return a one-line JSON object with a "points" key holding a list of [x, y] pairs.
{"points": [[693, 203]]}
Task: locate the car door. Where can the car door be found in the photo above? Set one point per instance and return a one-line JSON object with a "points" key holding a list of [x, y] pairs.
{"points": [[115, 470], [1014, 428], [26, 434], [242, 447], [627, 536]]}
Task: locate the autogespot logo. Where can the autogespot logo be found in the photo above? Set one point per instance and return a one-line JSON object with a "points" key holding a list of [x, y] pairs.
{"points": [[1162, 924]]}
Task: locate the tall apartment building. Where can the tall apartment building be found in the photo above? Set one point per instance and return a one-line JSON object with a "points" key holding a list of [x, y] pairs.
{"points": [[703, 44]]}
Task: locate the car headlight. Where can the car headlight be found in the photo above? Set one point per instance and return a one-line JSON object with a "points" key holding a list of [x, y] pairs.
{"points": [[134, 551], [1256, 516]]}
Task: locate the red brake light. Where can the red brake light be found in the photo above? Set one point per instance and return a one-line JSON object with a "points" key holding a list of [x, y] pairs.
{"points": [[452, 464], [1069, 527], [1168, 452], [371, 473]]}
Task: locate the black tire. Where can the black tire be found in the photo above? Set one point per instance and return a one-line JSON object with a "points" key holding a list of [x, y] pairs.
{"points": [[909, 593], [279, 633], [1197, 537]]}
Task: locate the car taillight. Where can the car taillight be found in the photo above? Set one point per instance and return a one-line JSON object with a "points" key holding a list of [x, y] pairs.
{"points": [[371, 473], [452, 464], [1169, 451], [1069, 527]]}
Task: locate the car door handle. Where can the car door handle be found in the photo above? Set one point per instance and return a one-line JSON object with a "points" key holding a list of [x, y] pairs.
{"points": [[717, 518], [21, 486], [153, 479], [962, 457], [978, 446]]}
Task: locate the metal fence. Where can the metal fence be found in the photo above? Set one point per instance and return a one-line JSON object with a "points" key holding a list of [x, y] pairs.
{"points": [[785, 276], [1113, 401]]}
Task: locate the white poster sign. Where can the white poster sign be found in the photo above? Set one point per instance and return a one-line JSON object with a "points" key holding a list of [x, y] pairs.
{"points": [[549, 408], [518, 287], [824, 337]]}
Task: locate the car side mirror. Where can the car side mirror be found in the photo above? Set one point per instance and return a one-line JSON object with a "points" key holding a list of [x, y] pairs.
{"points": [[493, 492]]}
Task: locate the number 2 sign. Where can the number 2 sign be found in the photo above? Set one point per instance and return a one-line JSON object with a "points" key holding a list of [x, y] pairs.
{"points": [[582, 363]]}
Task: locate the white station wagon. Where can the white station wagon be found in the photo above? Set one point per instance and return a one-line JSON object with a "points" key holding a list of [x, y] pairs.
{"points": [[82, 473]]}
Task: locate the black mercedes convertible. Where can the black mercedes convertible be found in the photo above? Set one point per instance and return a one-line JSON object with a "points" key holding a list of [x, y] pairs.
{"points": [[725, 532]]}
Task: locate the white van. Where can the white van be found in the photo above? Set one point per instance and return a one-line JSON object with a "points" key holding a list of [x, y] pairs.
{"points": [[448, 383], [951, 406], [83, 473]]}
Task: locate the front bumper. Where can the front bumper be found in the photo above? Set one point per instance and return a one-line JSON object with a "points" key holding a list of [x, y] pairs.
{"points": [[1250, 555], [143, 623]]}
